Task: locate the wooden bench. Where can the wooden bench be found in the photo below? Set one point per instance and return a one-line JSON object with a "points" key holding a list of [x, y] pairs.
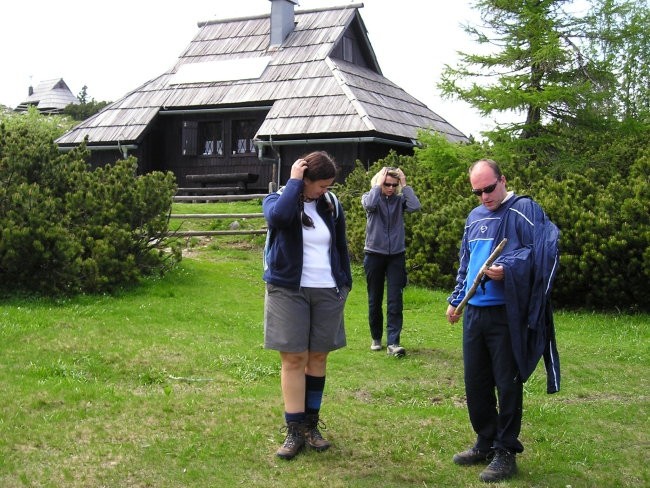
{"points": [[209, 190], [240, 180]]}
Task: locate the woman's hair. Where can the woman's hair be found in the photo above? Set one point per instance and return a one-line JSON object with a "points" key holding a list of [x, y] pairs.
{"points": [[320, 166]]}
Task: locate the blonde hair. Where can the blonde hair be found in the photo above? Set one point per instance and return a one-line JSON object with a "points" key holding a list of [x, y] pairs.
{"points": [[392, 173]]}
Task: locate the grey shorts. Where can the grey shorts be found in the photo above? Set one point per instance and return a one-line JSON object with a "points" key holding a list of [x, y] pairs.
{"points": [[305, 319]]}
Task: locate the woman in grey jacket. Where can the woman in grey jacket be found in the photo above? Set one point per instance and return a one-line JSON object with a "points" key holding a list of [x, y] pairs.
{"points": [[385, 253]]}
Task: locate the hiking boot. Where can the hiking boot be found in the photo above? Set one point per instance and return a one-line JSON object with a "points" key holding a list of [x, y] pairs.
{"points": [[473, 456], [294, 442], [313, 436], [376, 345], [395, 350], [502, 467]]}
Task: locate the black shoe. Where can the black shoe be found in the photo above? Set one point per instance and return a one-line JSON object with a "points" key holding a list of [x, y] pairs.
{"points": [[473, 456], [294, 442], [502, 467]]}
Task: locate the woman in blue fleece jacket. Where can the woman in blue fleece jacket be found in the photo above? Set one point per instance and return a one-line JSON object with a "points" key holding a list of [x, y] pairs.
{"points": [[308, 278]]}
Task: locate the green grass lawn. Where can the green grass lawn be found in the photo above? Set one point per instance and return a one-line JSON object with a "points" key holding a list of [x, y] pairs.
{"points": [[168, 385]]}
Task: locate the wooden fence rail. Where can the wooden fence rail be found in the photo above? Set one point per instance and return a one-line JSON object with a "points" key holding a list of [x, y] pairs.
{"points": [[217, 198], [218, 216], [197, 233]]}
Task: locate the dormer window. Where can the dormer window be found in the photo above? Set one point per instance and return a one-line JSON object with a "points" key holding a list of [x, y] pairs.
{"points": [[348, 50]]}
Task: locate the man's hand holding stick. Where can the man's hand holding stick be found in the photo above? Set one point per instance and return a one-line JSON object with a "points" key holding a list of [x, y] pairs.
{"points": [[477, 281]]}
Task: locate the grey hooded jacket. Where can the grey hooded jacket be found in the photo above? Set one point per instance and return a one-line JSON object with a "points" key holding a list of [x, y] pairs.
{"points": [[385, 219]]}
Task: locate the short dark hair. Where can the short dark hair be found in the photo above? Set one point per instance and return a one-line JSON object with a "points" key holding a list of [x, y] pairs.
{"points": [[320, 166], [491, 163]]}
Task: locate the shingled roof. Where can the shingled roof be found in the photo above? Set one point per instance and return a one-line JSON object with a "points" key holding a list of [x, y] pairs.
{"points": [[307, 89], [49, 96]]}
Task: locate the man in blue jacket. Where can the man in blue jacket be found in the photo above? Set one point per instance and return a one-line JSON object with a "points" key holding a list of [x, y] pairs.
{"points": [[507, 324]]}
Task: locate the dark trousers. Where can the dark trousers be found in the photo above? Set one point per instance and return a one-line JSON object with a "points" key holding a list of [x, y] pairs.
{"points": [[390, 270], [489, 365]]}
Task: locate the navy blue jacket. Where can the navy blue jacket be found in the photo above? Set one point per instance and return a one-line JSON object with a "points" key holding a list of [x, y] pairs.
{"points": [[529, 274], [530, 260], [284, 259]]}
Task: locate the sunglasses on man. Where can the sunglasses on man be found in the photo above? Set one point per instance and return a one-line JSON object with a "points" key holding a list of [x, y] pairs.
{"points": [[488, 189]]}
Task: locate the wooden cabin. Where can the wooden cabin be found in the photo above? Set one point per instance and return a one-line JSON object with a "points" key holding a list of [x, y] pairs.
{"points": [[49, 97], [248, 96]]}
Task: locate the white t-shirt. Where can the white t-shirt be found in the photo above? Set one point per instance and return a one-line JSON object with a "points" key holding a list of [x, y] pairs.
{"points": [[316, 242]]}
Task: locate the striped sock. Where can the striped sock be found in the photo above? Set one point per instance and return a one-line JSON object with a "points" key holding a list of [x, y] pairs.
{"points": [[315, 385]]}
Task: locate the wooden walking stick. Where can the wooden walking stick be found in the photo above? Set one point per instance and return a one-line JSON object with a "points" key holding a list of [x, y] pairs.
{"points": [[479, 276]]}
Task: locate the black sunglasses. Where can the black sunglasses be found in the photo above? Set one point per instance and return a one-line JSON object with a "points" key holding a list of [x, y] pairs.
{"points": [[488, 189], [392, 185]]}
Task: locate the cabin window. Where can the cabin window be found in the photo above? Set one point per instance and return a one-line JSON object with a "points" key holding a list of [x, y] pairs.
{"points": [[211, 138], [243, 132]]}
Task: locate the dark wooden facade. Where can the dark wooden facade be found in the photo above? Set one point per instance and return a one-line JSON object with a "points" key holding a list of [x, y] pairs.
{"points": [[216, 142], [177, 142]]}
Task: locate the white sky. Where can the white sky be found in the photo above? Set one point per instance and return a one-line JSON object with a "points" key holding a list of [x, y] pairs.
{"points": [[115, 46]]}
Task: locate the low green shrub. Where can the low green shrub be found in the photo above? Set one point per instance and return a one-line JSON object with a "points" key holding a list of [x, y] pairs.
{"points": [[67, 229]]}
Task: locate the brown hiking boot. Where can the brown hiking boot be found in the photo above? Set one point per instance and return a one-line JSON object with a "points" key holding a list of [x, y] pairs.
{"points": [[312, 434], [472, 456], [294, 442], [502, 467]]}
